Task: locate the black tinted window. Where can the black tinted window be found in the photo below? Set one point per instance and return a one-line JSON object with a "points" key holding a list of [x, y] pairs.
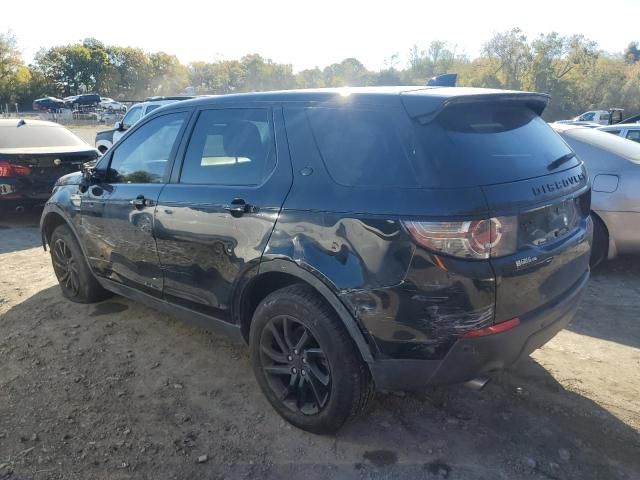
{"points": [[470, 145], [142, 157], [363, 147], [33, 134], [230, 147], [465, 146]]}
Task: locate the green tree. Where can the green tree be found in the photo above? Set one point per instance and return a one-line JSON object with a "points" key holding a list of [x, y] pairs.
{"points": [[10, 67]]}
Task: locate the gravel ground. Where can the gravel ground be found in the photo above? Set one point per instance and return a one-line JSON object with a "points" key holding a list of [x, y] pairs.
{"points": [[117, 390]]}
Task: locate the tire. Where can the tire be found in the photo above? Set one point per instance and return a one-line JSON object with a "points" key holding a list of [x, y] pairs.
{"points": [[319, 386], [600, 246], [76, 280]]}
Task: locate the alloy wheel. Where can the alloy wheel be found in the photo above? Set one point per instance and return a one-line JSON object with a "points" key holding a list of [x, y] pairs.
{"points": [[295, 366], [66, 267]]}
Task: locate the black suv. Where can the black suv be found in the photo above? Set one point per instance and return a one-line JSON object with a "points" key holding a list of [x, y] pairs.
{"points": [[355, 238]]}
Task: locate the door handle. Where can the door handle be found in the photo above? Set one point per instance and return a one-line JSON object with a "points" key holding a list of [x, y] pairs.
{"points": [[140, 202], [239, 207]]}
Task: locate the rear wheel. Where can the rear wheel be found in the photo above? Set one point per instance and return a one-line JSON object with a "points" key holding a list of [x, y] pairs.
{"points": [[305, 361], [76, 280], [600, 246]]}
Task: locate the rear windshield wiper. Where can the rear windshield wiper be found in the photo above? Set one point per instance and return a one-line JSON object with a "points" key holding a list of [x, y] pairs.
{"points": [[559, 161]]}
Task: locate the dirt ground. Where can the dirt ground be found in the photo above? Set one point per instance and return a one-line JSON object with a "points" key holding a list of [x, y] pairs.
{"points": [[117, 390]]}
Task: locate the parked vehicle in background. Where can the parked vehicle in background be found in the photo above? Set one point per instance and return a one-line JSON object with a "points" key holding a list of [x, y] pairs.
{"points": [[33, 155], [613, 164], [582, 124], [469, 249], [48, 103], [629, 131], [111, 105], [632, 119], [84, 100], [601, 117], [106, 138]]}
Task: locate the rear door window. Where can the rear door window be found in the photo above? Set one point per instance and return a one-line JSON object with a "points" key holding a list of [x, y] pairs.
{"points": [[233, 146]]}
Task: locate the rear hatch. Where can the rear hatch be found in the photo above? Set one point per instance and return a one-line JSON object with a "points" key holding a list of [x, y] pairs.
{"points": [[32, 174], [531, 180], [34, 154]]}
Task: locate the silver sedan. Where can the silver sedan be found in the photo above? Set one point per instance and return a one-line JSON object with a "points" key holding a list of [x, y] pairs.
{"points": [[613, 164]]}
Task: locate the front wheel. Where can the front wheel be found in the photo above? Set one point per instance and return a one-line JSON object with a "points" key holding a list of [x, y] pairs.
{"points": [[76, 280], [305, 361]]}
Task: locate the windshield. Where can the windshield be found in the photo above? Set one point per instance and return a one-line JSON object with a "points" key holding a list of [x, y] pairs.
{"points": [[37, 135]]}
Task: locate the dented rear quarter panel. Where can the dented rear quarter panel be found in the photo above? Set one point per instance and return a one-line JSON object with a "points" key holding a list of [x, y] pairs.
{"points": [[410, 303]]}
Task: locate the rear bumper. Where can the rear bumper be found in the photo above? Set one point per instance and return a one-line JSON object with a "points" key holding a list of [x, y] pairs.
{"points": [[471, 357]]}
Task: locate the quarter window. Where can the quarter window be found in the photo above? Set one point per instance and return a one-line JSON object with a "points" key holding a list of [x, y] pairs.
{"points": [[230, 147], [634, 135], [363, 148], [143, 156]]}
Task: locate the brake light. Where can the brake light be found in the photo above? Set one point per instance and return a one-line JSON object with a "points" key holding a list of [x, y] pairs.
{"points": [[493, 329], [12, 170], [477, 239]]}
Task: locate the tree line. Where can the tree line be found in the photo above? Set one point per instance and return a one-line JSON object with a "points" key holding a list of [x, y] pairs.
{"points": [[572, 69]]}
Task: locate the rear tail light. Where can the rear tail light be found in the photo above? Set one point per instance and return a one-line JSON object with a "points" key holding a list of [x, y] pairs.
{"points": [[12, 170], [477, 239]]}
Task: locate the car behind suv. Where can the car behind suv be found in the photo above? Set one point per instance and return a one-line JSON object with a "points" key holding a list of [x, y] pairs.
{"points": [[106, 138], [388, 238]]}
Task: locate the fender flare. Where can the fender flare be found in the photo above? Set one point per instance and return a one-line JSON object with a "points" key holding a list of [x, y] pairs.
{"points": [[292, 268], [52, 208]]}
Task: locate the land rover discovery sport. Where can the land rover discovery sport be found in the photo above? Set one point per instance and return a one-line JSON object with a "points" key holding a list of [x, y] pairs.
{"points": [[356, 239]]}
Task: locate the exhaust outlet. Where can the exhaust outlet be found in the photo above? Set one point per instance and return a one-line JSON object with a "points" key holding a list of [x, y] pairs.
{"points": [[477, 384], [19, 209]]}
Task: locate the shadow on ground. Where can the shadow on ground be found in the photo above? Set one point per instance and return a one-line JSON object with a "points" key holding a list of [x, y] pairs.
{"points": [[19, 232], [610, 308], [117, 390]]}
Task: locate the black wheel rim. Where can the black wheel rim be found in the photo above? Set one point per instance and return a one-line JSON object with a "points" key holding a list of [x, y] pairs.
{"points": [[295, 367], [66, 267]]}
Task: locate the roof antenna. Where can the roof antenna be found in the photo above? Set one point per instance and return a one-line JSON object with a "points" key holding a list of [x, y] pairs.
{"points": [[444, 80], [21, 122]]}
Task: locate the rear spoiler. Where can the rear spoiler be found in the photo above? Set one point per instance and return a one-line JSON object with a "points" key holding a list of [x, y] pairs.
{"points": [[426, 104]]}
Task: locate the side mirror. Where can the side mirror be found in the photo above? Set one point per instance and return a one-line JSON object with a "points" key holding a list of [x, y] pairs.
{"points": [[119, 126]]}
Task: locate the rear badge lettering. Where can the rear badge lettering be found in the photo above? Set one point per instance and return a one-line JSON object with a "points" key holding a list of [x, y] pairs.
{"points": [[559, 185], [523, 262]]}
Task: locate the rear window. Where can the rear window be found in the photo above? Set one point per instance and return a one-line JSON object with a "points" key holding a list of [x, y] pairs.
{"points": [[35, 136], [464, 146]]}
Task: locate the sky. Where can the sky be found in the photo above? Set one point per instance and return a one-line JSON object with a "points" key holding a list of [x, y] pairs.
{"points": [[309, 34]]}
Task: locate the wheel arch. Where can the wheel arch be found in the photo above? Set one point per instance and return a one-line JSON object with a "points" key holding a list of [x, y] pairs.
{"points": [[612, 250], [276, 274], [50, 221]]}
